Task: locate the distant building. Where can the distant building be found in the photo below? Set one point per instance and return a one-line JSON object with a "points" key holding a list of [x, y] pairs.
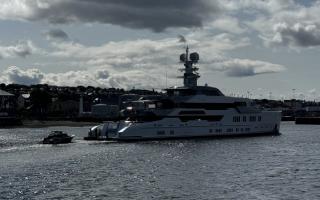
{"points": [[8, 109], [313, 108], [293, 104], [7, 104], [68, 108], [105, 111], [23, 101], [125, 99]]}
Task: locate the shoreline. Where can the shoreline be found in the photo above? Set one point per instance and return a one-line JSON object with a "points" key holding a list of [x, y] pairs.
{"points": [[49, 123]]}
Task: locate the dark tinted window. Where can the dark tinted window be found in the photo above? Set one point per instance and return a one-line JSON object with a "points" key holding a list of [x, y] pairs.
{"points": [[192, 112], [187, 92], [208, 106], [166, 104], [240, 103], [212, 92], [212, 118]]}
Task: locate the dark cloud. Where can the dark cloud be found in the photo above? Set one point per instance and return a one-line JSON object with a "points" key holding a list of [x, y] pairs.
{"points": [[155, 15], [56, 34], [301, 35], [102, 74], [182, 39]]}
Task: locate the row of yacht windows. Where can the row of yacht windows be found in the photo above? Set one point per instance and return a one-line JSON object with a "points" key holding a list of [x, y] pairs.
{"points": [[169, 104], [219, 130], [244, 118], [191, 92], [231, 130], [235, 130]]}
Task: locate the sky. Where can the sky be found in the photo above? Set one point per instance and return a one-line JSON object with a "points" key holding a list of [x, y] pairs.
{"points": [[251, 48]]}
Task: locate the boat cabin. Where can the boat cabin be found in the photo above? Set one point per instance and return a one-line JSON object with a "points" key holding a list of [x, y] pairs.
{"points": [[191, 91]]}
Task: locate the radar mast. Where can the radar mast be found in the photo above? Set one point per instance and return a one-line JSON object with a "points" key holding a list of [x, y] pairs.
{"points": [[190, 76]]}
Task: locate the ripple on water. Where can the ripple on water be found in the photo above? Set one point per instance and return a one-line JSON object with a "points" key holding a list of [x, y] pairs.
{"points": [[284, 167]]}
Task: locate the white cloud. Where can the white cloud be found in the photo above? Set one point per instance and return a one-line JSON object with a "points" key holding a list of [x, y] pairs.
{"points": [[100, 77], [14, 74], [138, 63], [227, 23], [21, 49], [288, 24], [245, 67], [145, 54], [312, 91], [257, 6], [15, 9]]}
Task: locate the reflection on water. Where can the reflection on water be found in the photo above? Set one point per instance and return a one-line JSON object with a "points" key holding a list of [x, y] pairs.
{"points": [[281, 167]]}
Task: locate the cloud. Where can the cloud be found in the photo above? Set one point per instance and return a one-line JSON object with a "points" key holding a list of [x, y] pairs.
{"points": [[99, 78], [102, 74], [257, 7], [138, 52], [312, 91], [229, 24], [56, 35], [245, 67], [146, 79], [154, 15], [152, 56], [16, 75], [147, 76], [182, 39], [289, 23], [236, 17], [298, 34], [21, 49], [142, 63]]}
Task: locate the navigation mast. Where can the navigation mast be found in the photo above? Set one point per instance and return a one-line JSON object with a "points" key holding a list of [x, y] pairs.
{"points": [[190, 76]]}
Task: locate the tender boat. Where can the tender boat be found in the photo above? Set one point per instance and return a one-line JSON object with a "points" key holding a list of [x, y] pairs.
{"points": [[58, 137], [190, 111]]}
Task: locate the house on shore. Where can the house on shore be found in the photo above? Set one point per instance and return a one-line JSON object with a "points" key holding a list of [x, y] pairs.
{"points": [[7, 103], [8, 108]]}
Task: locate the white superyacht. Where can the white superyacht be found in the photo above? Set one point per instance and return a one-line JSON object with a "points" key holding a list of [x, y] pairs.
{"points": [[190, 111]]}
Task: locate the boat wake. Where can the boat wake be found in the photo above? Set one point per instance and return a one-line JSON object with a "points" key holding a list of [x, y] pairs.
{"points": [[22, 148]]}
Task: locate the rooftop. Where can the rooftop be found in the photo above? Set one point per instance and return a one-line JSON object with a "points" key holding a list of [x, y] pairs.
{"points": [[4, 93]]}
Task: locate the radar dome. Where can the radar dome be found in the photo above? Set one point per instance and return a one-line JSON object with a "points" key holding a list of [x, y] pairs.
{"points": [[183, 57], [194, 57]]}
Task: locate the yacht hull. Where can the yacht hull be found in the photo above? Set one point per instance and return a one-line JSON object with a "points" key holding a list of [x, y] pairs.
{"points": [[171, 128], [199, 136]]}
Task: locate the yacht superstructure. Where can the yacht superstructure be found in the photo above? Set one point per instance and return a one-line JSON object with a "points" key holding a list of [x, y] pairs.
{"points": [[190, 111]]}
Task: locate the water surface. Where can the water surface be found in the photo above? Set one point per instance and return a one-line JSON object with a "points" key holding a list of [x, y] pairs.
{"points": [[269, 167]]}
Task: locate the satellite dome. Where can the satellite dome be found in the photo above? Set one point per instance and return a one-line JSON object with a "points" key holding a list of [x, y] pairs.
{"points": [[194, 57], [183, 57]]}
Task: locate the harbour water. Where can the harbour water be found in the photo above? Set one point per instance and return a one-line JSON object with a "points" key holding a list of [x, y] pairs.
{"points": [[268, 167]]}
